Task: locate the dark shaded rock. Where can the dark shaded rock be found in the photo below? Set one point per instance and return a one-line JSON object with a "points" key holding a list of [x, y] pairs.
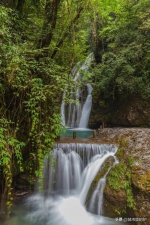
{"points": [[133, 112]]}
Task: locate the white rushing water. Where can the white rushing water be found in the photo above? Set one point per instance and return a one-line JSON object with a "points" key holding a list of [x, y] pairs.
{"points": [[77, 113], [96, 202], [86, 109], [97, 197], [66, 186]]}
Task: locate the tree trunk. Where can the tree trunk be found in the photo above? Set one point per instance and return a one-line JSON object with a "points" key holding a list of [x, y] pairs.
{"points": [[20, 6], [59, 44], [51, 10]]}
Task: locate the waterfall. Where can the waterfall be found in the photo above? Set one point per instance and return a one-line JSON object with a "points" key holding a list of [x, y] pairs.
{"points": [[86, 108], [74, 114], [96, 202], [66, 185], [63, 109]]}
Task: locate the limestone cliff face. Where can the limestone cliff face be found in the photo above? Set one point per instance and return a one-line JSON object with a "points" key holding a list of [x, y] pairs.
{"points": [[131, 198]]}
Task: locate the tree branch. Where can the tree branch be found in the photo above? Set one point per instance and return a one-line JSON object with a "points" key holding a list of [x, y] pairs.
{"points": [[59, 44]]}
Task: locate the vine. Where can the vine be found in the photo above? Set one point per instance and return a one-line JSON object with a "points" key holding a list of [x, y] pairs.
{"points": [[10, 152], [43, 131]]}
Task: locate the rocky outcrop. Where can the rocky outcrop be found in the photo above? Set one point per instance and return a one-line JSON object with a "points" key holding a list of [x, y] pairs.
{"points": [[132, 200], [141, 178]]}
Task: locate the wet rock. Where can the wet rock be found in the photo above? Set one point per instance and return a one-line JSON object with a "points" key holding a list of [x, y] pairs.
{"points": [[135, 153], [108, 163], [141, 178], [114, 201]]}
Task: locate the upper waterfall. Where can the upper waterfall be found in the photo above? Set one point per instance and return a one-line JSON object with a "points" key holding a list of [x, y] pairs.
{"points": [[86, 108], [76, 114]]}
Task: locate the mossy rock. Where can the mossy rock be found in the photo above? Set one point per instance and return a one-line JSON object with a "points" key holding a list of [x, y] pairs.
{"points": [[109, 162], [141, 178], [114, 202]]}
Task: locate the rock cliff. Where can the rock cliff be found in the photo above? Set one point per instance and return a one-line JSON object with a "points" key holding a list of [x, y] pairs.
{"points": [[127, 192]]}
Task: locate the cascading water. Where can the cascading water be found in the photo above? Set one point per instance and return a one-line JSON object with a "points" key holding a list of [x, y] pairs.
{"points": [[96, 202], [97, 197], [86, 108], [66, 186], [74, 115]]}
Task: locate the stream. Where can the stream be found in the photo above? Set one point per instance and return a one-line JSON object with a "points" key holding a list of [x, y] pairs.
{"points": [[66, 185]]}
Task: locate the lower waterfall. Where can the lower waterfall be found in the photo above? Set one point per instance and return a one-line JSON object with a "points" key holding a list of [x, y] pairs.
{"points": [[68, 174]]}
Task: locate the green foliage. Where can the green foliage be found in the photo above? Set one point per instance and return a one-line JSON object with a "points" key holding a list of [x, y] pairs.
{"points": [[39, 45], [119, 177], [38, 48], [10, 157], [122, 147], [116, 174], [120, 212], [123, 69]]}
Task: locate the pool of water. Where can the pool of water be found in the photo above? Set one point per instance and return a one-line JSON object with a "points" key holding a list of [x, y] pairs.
{"points": [[80, 133], [37, 210], [64, 203]]}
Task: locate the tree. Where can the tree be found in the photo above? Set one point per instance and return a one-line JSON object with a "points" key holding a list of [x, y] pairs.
{"points": [[39, 43], [123, 69]]}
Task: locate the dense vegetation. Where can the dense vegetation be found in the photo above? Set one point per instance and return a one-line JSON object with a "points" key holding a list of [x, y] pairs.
{"points": [[123, 53], [40, 41]]}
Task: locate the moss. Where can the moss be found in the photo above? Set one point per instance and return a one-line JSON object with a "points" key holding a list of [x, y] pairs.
{"points": [[119, 177], [123, 144], [119, 183], [101, 173], [141, 178], [114, 202]]}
